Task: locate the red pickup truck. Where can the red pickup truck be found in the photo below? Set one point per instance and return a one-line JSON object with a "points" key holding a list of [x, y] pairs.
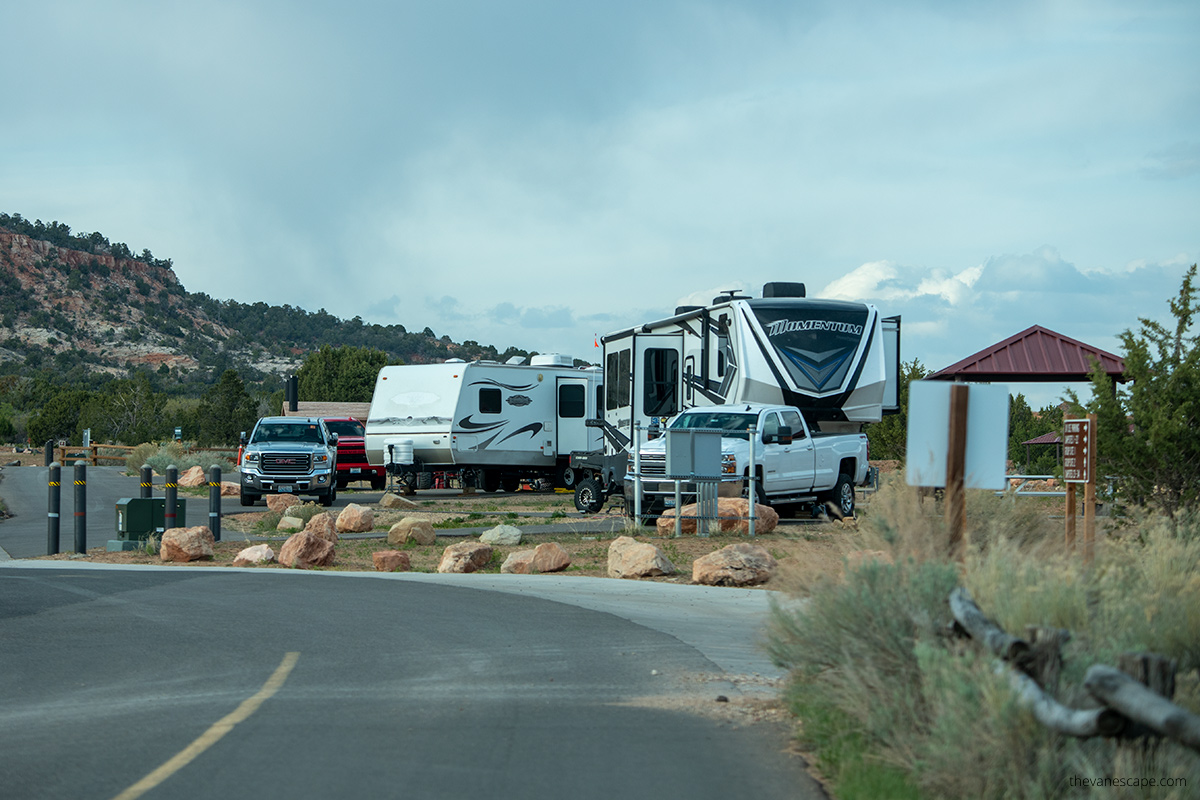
{"points": [[352, 455]]}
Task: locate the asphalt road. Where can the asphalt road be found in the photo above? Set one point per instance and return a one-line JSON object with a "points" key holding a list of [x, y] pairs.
{"points": [[336, 684]]}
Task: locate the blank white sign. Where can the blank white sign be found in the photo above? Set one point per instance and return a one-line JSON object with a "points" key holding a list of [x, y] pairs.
{"points": [[929, 435]]}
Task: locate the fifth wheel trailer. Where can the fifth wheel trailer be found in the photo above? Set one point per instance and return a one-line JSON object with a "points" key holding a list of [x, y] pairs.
{"points": [[495, 424], [837, 362]]}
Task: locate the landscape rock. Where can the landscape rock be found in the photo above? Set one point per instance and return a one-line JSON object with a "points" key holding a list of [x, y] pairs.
{"points": [[355, 519], [279, 503], [629, 558], [734, 517], [231, 489], [393, 501], [186, 544], [741, 564], [251, 556], [304, 550], [193, 477], [13, 463], [290, 524], [465, 557], [502, 536], [546, 557], [412, 529], [391, 561], [323, 526]]}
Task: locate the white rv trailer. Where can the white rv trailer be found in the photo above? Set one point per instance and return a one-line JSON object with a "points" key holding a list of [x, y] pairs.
{"points": [[498, 422], [837, 362]]}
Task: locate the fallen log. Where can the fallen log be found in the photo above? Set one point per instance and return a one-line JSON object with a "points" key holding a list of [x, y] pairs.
{"points": [[1078, 722], [983, 630], [1133, 700]]}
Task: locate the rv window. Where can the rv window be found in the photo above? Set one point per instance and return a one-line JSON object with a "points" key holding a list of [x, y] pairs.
{"points": [[616, 378], [659, 397], [570, 401], [489, 401]]}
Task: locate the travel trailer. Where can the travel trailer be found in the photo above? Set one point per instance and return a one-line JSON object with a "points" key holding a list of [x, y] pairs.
{"points": [[837, 362], [491, 425]]}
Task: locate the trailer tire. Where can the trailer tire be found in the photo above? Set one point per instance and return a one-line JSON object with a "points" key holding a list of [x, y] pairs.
{"points": [[567, 478], [424, 480], [510, 483], [489, 480], [589, 498]]}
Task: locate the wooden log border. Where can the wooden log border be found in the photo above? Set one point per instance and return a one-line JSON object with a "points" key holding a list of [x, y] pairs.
{"points": [[1124, 700]]}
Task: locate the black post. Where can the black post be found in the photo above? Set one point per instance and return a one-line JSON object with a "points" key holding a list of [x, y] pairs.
{"points": [[147, 481], [172, 484], [49, 452], [52, 519], [214, 501], [80, 506]]}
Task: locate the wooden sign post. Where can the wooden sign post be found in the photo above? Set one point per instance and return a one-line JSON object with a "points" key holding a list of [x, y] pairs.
{"points": [[1079, 466], [956, 469]]}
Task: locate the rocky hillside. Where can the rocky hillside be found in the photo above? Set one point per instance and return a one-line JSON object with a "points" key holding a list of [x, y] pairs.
{"points": [[67, 301]]}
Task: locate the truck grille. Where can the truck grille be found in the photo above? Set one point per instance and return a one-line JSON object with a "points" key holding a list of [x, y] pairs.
{"points": [[286, 463], [654, 464]]}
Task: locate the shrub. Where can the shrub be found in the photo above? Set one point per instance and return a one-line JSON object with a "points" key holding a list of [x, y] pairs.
{"points": [[160, 455], [894, 705]]}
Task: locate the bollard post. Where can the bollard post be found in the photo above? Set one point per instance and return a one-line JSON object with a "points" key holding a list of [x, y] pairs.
{"points": [[48, 453], [214, 501], [80, 506], [637, 474], [147, 473], [752, 435], [172, 487], [52, 517]]}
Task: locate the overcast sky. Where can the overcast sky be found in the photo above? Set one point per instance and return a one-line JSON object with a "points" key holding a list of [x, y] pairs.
{"points": [[536, 173]]}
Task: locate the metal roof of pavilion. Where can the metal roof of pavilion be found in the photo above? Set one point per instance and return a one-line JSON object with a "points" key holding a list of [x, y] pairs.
{"points": [[1046, 438], [1033, 355]]}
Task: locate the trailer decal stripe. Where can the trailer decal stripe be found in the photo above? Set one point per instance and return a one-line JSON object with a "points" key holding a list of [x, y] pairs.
{"points": [[510, 387], [532, 429]]}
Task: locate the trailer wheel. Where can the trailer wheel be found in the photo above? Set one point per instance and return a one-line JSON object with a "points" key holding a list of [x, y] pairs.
{"points": [[510, 483], [424, 480], [489, 480], [567, 478], [588, 497]]}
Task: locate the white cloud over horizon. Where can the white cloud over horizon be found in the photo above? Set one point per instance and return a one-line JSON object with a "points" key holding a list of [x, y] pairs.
{"points": [[536, 174]]}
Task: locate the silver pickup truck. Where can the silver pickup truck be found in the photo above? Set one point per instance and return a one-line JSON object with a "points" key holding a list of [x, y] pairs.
{"points": [[793, 467], [289, 455]]}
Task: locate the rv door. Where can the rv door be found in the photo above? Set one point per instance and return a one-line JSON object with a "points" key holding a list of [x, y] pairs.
{"points": [[657, 389], [572, 414]]}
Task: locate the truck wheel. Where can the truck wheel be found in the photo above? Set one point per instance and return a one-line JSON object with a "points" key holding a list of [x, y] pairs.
{"points": [[249, 498], [651, 511], [328, 498], [378, 482], [341, 482], [588, 497], [842, 497], [760, 498]]}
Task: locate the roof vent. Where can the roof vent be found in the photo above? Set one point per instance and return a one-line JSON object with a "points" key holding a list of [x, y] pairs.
{"points": [[516, 361], [551, 360], [779, 289]]}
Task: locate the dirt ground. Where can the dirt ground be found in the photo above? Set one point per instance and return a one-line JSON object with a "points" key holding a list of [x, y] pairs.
{"points": [[798, 546]]}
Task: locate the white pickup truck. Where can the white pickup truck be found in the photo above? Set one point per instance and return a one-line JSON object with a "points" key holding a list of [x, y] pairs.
{"points": [[793, 467]]}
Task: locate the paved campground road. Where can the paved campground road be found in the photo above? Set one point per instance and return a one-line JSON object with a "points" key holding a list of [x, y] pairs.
{"points": [[365, 685]]}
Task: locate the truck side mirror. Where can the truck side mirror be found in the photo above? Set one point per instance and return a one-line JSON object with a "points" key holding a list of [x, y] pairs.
{"points": [[242, 440], [333, 438], [785, 434]]}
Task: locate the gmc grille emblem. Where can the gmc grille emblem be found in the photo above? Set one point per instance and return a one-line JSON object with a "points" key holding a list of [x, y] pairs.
{"points": [[286, 461]]}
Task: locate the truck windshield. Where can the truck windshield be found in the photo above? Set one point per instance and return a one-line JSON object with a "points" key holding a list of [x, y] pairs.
{"points": [[732, 425], [344, 427], [288, 432]]}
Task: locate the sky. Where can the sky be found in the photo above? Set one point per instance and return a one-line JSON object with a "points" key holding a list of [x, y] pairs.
{"points": [[537, 174]]}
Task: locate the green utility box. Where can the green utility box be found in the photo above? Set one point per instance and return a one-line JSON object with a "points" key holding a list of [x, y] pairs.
{"points": [[139, 517]]}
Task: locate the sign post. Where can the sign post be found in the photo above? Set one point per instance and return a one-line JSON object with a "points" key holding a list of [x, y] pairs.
{"points": [[1079, 466]]}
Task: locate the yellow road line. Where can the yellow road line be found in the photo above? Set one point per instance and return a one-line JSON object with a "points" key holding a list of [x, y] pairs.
{"points": [[213, 734]]}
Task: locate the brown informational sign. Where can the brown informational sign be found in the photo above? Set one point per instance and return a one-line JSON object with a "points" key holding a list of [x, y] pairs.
{"points": [[1076, 458]]}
